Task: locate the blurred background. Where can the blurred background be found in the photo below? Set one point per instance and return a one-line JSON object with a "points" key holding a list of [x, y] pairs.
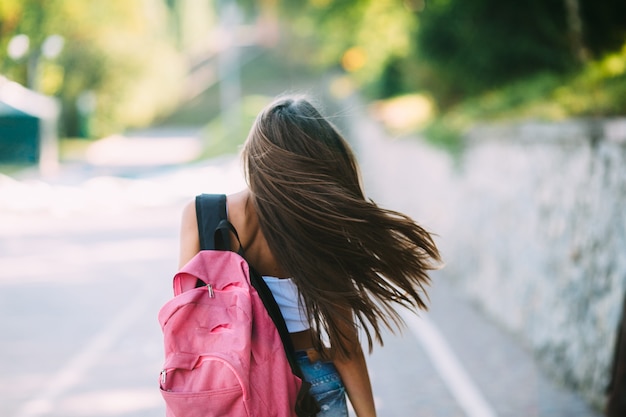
{"points": [[498, 125]]}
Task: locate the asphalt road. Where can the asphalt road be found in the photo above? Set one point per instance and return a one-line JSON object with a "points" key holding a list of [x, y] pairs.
{"points": [[85, 267]]}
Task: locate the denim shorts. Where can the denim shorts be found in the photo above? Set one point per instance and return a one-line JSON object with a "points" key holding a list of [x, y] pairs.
{"points": [[326, 386]]}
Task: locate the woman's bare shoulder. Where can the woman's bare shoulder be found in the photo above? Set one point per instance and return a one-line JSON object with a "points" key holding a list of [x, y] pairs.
{"points": [[189, 236], [237, 202], [189, 210], [189, 239], [236, 207], [241, 215]]}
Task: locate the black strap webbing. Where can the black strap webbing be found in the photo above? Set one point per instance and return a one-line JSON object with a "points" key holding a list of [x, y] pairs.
{"points": [[210, 211]]}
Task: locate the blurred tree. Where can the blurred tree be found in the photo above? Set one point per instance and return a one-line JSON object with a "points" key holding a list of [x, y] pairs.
{"points": [[453, 48], [603, 25], [362, 37], [120, 55], [467, 47], [192, 22], [575, 29]]}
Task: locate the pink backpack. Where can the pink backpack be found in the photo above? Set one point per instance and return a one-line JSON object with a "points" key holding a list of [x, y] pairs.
{"points": [[227, 352]]}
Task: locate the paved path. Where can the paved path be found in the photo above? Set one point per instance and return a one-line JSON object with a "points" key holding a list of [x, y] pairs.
{"points": [[86, 263]]}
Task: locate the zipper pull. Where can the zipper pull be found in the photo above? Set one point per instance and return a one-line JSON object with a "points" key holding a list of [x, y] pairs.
{"points": [[211, 293], [163, 376]]}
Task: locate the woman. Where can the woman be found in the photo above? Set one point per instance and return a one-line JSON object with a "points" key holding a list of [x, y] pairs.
{"points": [[335, 261]]}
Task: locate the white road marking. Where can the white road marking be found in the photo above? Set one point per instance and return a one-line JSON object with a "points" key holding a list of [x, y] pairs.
{"points": [[461, 386], [71, 373]]}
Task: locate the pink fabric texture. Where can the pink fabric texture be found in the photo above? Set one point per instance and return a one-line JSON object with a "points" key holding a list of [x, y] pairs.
{"points": [[223, 354]]}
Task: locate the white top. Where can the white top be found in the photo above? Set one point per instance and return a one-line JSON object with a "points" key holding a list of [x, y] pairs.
{"points": [[291, 306]]}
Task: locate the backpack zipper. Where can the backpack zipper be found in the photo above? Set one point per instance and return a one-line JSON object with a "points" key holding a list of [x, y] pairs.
{"points": [[210, 289]]}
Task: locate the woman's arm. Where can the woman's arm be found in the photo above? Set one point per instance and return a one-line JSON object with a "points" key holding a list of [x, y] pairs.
{"points": [[189, 238], [354, 374], [355, 377]]}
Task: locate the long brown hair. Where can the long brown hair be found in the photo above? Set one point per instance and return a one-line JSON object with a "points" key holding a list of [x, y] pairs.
{"points": [[342, 250]]}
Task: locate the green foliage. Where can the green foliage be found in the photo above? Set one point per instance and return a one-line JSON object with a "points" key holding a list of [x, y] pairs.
{"points": [[454, 49], [446, 133], [363, 36], [604, 25], [599, 89], [469, 47], [117, 52], [476, 59]]}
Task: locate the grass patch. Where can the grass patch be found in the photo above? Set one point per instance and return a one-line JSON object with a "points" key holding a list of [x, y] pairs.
{"points": [[225, 134], [73, 149], [597, 90]]}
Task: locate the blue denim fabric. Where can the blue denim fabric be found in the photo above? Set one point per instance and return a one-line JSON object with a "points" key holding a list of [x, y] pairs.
{"points": [[326, 386]]}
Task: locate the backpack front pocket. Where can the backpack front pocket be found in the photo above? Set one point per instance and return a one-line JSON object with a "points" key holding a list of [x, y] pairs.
{"points": [[195, 386]]}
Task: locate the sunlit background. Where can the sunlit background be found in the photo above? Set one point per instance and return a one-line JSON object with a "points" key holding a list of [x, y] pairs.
{"points": [[499, 125]]}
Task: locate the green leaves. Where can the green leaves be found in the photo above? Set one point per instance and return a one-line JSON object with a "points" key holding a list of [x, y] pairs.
{"points": [[122, 53]]}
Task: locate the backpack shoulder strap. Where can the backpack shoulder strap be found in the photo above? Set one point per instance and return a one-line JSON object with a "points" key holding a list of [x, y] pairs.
{"points": [[210, 212], [306, 405]]}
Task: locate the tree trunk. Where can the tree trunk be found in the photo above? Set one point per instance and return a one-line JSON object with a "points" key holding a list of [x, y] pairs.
{"points": [[575, 30]]}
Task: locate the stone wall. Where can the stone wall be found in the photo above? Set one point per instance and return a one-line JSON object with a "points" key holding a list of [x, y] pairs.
{"points": [[532, 224]]}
